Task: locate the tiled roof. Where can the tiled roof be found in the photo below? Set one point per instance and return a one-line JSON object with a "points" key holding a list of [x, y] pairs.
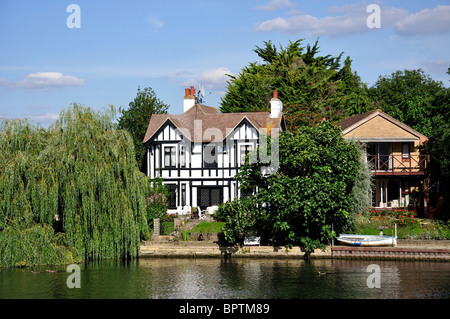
{"points": [[349, 121], [353, 122], [210, 118]]}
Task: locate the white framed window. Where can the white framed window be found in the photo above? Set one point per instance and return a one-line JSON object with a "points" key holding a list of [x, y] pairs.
{"points": [[182, 156], [169, 154], [173, 193], [183, 194], [405, 151], [244, 150]]}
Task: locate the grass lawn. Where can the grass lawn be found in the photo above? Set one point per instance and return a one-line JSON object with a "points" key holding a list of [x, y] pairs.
{"points": [[208, 227], [406, 229], [167, 228]]}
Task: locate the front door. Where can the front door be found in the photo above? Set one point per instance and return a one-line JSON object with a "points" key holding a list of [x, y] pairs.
{"points": [[209, 196]]}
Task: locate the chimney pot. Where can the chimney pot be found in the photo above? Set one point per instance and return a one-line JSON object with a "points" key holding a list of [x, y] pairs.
{"points": [[276, 106], [189, 99]]}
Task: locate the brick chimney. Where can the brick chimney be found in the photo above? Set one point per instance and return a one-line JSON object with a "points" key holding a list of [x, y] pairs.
{"points": [[276, 106], [189, 99]]}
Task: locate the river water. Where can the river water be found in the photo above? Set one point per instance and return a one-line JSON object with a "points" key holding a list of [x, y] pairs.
{"points": [[210, 278]]}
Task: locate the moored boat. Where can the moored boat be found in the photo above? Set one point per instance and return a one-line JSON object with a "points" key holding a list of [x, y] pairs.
{"points": [[367, 240]]}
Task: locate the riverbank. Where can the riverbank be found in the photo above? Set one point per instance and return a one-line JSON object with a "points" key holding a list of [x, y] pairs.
{"points": [[210, 249], [406, 249]]}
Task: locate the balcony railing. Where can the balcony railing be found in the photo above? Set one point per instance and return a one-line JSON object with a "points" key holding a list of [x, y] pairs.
{"points": [[398, 165]]}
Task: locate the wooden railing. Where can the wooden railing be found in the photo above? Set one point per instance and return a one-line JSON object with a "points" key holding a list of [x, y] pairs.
{"points": [[397, 164]]}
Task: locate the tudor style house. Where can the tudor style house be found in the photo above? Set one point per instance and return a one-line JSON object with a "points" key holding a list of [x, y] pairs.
{"points": [[394, 153], [198, 153]]}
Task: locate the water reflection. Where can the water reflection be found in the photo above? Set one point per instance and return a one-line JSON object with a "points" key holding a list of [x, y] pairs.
{"points": [[234, 279]]}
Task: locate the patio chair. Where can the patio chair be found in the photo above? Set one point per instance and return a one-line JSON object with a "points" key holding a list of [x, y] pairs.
{"points": [[201, 214], [186, 210]]}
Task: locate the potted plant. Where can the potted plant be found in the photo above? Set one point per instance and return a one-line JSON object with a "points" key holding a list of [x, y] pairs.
{"points": [[194, 213], [375, 214]]}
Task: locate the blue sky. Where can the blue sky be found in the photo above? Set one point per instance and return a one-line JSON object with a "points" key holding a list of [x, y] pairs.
{"points": [[170, 45]]}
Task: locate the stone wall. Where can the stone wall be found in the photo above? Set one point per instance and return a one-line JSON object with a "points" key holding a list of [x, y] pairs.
{"points": [[392, 253], [412, 250]]}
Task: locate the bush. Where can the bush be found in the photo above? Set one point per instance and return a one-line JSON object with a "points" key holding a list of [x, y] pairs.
{"points": [[240, 219], [36, 245], [156, 202], [407, 228]]}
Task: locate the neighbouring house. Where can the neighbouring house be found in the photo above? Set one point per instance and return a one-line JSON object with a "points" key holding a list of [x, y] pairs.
{"points": [[394, 152], [198, 153]]}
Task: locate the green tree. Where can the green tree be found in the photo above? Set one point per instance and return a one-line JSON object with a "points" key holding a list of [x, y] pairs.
{"points": [[310, 86], [70, 193], [410, 96], [310, 192], [363, 188], [135, 119]]}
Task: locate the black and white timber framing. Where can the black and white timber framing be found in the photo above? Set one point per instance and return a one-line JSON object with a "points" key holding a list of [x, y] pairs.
{"points": [[200, 174]]}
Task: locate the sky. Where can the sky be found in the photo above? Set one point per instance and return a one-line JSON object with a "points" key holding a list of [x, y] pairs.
{"points": [[98, 52]]}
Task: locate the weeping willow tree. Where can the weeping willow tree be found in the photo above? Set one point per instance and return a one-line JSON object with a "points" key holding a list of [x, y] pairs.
{"points": [[70, 193]]}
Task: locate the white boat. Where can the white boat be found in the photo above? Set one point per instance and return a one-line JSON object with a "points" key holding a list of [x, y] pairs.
{"points": [[367, 240]]}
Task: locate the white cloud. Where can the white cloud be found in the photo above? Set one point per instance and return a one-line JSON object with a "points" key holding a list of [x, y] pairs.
{"points": [[155, 22], [44, 118], [313, 26], [275, 5], [436, 20], [41, 118], [350, 19], [295, 12], [215, 76], [44, 81], [212, 80]]}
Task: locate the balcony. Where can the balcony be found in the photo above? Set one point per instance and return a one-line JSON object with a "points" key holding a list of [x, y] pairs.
{"points": [[398, 165]]}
